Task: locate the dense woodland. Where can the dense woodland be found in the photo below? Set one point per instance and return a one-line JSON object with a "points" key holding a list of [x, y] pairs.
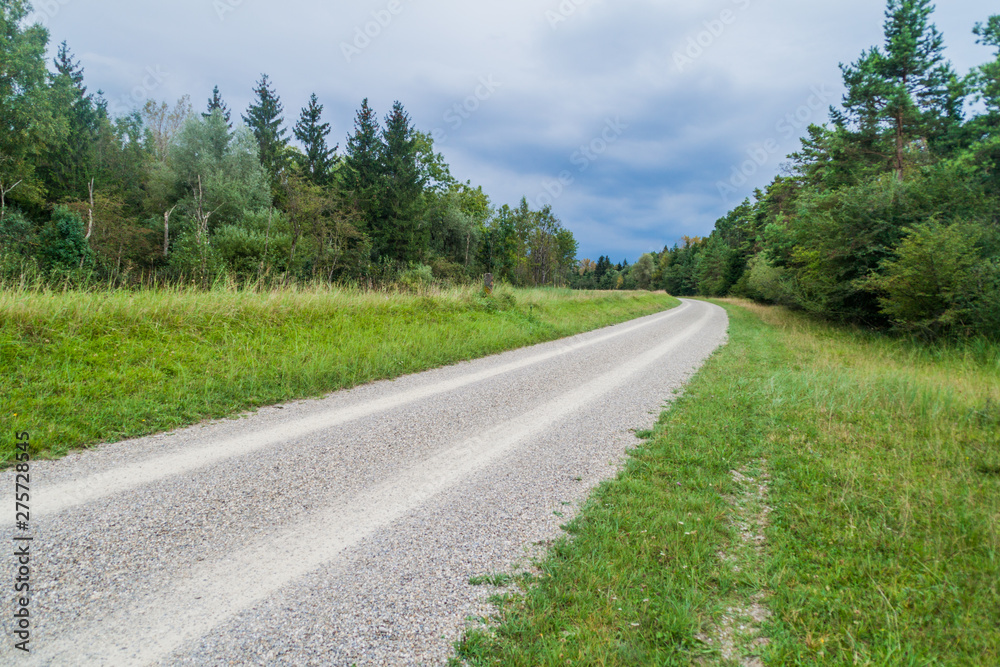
{"points": [[182, 194], [889, 215]]}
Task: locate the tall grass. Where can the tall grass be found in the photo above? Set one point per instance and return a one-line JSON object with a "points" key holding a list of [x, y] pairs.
{"points": [[86, 366]]}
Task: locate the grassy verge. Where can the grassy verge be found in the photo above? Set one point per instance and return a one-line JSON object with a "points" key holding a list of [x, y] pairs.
{"points": [[83, 367], [817, 496]]}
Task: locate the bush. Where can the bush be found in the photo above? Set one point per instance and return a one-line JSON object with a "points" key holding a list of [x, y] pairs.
{"points": [[416, 277], [63, 246], [259, 238], [193, 259], [940, 283], [769, 283], [17, 234], [448, 271]]}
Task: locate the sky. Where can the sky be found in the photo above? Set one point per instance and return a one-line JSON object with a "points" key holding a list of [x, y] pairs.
{"points": [[638, 121]]}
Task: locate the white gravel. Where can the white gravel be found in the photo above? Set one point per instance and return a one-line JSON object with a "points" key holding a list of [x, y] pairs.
{"points": [[343, 530]]}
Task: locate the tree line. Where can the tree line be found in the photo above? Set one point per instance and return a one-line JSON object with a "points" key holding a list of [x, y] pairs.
{"points": [[169, 192], [889, 214]]}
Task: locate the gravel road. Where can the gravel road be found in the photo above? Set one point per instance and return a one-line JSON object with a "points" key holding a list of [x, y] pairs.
{"points": [[342, 530]]}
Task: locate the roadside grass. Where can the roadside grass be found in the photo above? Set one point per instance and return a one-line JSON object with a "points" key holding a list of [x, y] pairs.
{"points": [[882, 539], [80, 367]]}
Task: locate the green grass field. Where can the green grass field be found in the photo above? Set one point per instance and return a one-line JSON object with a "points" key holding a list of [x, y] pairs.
{"points": [[83, 367], [817, 496]]}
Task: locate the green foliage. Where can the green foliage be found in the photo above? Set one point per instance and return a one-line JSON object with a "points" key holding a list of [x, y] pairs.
{"points": [[18, 235], [194, 258], [172, 195], [29, 126], [526, 247], [940, 283], [71, 162], [318, 159], [216, 103], [397, 232], [220, 167], [363, 166], [906, 91], [417, 276], [768, 283], [62, 243], [261, 240], [642, 272], [264, 119], [888, 215]]}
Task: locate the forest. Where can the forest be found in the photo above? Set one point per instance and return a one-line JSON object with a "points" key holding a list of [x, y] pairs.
{"points": [[170, 194], [889, 214], [886, 217]]}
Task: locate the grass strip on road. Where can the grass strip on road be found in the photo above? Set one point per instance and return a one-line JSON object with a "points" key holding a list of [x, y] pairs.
{"points": [[878, 461], [85, 367]]}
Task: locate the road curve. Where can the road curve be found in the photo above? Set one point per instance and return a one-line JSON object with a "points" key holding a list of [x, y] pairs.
{"points": [[342, 530]]}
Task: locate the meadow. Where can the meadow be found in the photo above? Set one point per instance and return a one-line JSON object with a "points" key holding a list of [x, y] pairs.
{"points": [[86, 366]]}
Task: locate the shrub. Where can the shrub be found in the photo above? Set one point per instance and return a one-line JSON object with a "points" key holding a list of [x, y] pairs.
{"points": [[62, 243], [417, 276], [940, 283]]}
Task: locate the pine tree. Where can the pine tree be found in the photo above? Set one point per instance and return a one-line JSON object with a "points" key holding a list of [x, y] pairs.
{"points": [[264, 119], [987, 77], [217, 103], [319, 158], [906, 92], [985, 81]]}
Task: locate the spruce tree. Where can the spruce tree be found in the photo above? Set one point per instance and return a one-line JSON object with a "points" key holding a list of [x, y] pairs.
{"points": [[264, 119], [363, 163], [402, 237], [70, 163], [67, 67], [319, 158], [217, 103]]}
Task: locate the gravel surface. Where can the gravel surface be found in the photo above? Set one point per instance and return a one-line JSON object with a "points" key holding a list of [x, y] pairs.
{"points": [[342, 530]]}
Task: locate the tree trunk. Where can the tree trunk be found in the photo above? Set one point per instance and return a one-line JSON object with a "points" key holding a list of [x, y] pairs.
{"points": [[3, 198], [202, 236], [899, 146], [267, 240], [166, 230], [90, 213]]}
